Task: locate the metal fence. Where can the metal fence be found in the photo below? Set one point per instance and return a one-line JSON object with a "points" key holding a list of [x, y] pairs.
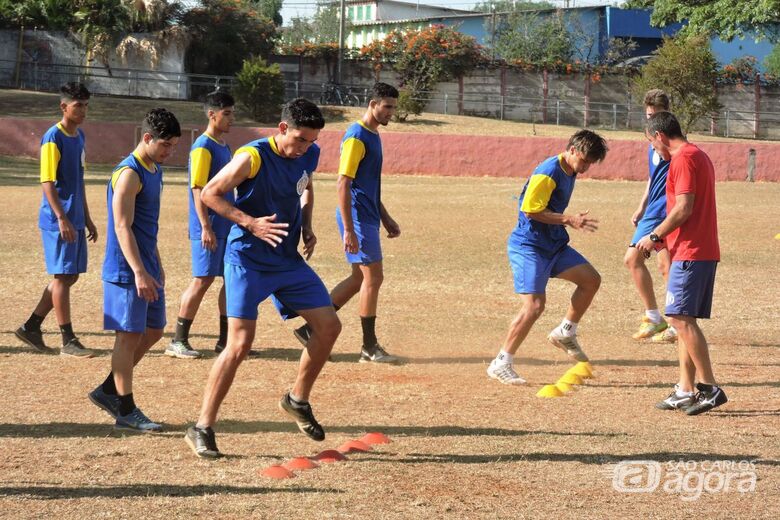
{"points": [[517, 105]]}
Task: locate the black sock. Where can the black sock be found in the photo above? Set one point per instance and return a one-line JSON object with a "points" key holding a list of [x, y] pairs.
{"points": [[369, 335], [33, 323], [109, 386], [182, 329], [67, 333], [126, 404], [223, 327]]}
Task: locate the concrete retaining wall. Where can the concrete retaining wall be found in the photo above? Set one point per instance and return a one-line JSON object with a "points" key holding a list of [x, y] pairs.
{"points": [[414, 154]]}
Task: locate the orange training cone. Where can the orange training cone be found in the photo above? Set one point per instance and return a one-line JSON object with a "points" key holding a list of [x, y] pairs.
{"points": [[300, 463], [277, 472], [355, 447], [375, 438], [329, 456]]}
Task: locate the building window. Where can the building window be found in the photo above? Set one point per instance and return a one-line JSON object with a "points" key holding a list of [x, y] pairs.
{"points": [[368, 13], [359, 12], [350, 13]]}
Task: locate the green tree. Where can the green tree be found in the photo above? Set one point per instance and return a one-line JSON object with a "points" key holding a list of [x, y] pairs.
{"points": [[223, 34], [260, 88], [772, 62], [270, 9], [499, 6], [542, 41], [687, 70], [727, 19], [56, 15]]}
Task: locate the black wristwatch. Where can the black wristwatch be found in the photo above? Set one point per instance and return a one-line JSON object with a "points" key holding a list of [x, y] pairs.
{"points": [[655, 238]]}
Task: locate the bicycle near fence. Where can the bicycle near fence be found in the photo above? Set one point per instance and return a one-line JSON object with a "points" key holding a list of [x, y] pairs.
{"points": [[334, 94]]}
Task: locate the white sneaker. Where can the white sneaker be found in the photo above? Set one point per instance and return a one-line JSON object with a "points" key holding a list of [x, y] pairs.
{"points": [[568, 344], [504, 373]]}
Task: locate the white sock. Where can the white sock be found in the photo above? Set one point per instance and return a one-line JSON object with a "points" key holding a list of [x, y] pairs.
{"points": [[653, 315], [505, 358], [567, 328], [680, 393]]}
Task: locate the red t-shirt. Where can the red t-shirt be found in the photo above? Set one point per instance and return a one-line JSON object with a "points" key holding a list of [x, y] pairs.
{"points": [[691, 171]]}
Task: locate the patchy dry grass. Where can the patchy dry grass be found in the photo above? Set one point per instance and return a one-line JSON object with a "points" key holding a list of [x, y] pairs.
{"points": [[463, 446]]}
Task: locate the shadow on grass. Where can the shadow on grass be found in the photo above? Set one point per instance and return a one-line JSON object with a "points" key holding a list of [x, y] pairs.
{"points": [[147, 490], [585, 458], [65, 430], [485, 360]]}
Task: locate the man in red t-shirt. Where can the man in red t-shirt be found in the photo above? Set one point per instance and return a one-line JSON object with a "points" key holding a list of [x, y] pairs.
{"points": [[690, 231]]}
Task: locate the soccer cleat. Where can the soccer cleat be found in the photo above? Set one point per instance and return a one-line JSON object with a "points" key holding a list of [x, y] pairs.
{"points": [[504, 373], [675, 402], [303, 334], [34, 339], [304, 418], [706, 400], [648, 329], [74, 348], [667, 336], [568, 344], [203, 442], [137, 421], [377, 355], [181, 350], [104, 401]]}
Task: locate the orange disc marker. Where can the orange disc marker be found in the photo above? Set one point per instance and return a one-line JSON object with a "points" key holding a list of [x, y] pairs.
{"points": [[329, 456], [300, 463], [277, 472], [355, 447], [375, 438]]}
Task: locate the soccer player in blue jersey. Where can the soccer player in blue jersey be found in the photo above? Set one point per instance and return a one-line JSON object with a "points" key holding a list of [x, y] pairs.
{"points": [[650, 213], [359, 215], [539, 250], [273, 212], [207, 230], [133, 276], [62, 219]]}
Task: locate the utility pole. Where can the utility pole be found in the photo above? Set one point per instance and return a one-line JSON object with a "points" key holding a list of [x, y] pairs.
{"points": [[342, 14]]}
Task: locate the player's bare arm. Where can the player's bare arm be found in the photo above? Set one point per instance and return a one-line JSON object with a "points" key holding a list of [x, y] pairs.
{"points": [[123, 207], [208, 238], [344, 194], [581, 221], [640, 211], [307, 212], [92, 232], [213, 196], [392, 227], [683, 207], [67, 231]]}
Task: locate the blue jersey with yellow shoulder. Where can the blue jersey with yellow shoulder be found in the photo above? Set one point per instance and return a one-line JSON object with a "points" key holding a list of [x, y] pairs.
{"points": [[207, 157], [274, 186], [548, 187], [361, 160], [656, 196], [62, 162], [116, 269]]}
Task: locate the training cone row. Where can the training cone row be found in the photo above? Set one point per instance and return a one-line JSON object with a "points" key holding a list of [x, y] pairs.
{"points": [[569, 382], [362, 445]]}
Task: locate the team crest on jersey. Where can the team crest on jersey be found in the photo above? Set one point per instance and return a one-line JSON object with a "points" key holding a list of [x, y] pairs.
{"points": [[669, 298], [656, 158], [302, 183]]}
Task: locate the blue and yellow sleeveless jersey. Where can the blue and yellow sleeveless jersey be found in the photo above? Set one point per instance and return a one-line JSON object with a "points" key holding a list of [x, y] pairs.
{"points": [[145, 222], [547, 187], [62, 162], [207, 157], [274, 186], [361, 160], [656, 197]]}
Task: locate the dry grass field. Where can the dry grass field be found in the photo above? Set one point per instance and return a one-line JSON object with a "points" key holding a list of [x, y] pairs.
{"points": [[463, 446]]}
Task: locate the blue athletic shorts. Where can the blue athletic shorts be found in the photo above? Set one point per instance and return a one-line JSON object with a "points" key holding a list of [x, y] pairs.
{"points": [[689, 292], [644, 227], [125, 311], [294, 290], [64, 257], [532, 268], [369, 245], [205, 262]]}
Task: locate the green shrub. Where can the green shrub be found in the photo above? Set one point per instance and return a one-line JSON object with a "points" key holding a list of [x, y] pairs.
{"points": [[408, 103], [260, 88]]}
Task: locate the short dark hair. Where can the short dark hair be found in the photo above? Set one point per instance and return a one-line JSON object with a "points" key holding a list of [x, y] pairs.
{"points": [[74, 91], [664, 122], [218, 100], [382, 90], [589, 144], [657, 99], [161, 124], [302, 112]]}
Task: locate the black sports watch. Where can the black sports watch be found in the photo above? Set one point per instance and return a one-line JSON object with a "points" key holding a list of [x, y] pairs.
{"points": [[655, 238]]}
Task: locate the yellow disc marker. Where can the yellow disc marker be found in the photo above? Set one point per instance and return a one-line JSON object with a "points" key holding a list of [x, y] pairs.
{"points": [[549, 391]]}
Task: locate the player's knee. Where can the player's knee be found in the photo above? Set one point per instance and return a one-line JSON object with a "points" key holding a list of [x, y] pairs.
{"points": [[330, 329], [375, 281], [202, 283], [533, 310], [67, 279], [152, 336]]}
